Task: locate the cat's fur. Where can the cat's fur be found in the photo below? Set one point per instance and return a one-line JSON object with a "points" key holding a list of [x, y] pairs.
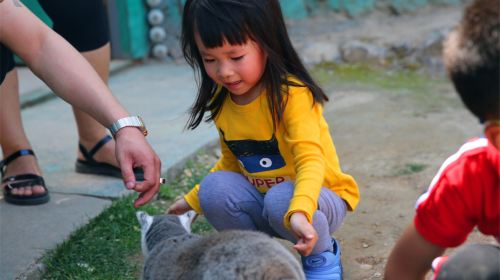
{"points": [[172, 252]]}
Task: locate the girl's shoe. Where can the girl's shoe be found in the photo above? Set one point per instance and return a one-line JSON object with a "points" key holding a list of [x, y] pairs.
{"points": [[326, 265]]}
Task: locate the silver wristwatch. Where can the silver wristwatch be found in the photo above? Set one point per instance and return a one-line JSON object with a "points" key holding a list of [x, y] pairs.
{"points": [[134, 121]]}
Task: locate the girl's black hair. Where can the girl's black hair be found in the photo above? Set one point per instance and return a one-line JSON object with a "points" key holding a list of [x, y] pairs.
{"points": [[237, 21]]}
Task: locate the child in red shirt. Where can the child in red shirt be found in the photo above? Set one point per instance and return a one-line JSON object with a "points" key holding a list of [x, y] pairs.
{"points": [[466, 191]]}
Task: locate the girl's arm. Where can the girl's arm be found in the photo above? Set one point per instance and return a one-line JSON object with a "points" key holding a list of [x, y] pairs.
{"points": [[305, 233], [72, 78], [303, 133], [301, 120]]}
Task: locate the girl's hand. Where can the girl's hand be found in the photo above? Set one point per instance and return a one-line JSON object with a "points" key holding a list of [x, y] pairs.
{"points": [[179, 207], [305, 233]]}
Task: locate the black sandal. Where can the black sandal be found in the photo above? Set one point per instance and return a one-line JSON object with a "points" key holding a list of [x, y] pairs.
{"points": [[90, 166], [22, 180]]}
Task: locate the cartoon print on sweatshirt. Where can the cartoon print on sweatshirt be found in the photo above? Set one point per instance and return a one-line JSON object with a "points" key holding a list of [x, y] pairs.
{"points": [[256, 155]]}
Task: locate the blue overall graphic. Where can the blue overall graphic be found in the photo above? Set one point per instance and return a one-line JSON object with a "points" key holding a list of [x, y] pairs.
{"points": [[257, 156]]}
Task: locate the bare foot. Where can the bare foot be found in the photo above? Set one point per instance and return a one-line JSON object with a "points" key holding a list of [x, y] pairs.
{"points": [[24, 165]]}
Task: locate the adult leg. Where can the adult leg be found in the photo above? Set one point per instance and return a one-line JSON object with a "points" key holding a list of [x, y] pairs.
{"points": [[83, 23], [229, 201], [89, 130], [326, 220], [13, 137]]}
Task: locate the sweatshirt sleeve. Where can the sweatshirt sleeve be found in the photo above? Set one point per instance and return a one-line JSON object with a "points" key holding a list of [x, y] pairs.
{"points": [[302, 128]]}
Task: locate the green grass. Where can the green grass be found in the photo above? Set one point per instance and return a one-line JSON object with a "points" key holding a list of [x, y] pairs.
{"points": [[411, 168], [108, 247], [361, 74], [100, 250], [429, 93]]}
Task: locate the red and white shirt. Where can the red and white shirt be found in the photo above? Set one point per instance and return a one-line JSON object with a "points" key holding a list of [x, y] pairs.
{"points": [[465, 193]]}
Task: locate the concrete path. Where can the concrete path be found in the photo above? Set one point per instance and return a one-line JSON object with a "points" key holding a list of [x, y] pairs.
{"points": [[160, 93]]}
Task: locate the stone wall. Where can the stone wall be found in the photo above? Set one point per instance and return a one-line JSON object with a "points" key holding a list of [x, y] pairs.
{"points": [[299, 9]]}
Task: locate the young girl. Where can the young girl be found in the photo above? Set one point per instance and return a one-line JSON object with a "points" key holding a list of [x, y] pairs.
{"points": [[279, 172]]}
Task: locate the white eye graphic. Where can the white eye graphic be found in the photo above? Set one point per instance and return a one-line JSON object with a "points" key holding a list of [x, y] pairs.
{"points": [[266, 162]]}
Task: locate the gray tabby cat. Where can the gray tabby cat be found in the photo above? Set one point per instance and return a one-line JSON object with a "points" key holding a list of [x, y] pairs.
{"points": [[172, 252]]}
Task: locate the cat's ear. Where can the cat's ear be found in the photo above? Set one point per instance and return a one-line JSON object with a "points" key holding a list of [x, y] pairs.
{"points": [[145, 221], [187, 219], [143, 218]]}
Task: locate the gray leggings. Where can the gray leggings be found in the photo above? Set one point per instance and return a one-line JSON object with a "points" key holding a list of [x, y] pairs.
{"points": [[229, 201]]}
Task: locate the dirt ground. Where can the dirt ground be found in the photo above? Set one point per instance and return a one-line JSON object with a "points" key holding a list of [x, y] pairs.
{"points": [[392, 141], [393, 144]]}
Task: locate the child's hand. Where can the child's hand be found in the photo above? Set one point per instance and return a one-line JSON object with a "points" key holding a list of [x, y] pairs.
{"points": [[305, 233], [179, 207]]}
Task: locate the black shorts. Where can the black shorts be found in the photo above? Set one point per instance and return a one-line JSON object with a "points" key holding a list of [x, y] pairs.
{"points": [[83, 23]]}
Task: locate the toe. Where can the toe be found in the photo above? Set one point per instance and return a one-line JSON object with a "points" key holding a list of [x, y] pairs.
{"points": [[36, 190], [18, 191], [26, 191]]}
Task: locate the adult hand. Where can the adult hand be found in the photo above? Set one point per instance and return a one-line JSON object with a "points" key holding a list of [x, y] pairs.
{"points": [[305, 233], [132, 150], [179, 207]]}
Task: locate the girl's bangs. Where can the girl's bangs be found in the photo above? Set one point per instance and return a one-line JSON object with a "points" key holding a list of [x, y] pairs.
{"points": [[215, 28]]}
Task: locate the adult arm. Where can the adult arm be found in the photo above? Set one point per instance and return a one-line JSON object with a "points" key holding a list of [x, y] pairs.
{"points": [[72, 78], [411, 257]]}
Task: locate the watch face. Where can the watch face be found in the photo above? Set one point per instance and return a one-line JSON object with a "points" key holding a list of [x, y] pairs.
{"points": [[134, 121]]}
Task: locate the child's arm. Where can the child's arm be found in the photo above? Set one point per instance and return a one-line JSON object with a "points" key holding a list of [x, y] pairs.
{"points": [[301, 120], [179, 207], [305, 233], [411, 257]]}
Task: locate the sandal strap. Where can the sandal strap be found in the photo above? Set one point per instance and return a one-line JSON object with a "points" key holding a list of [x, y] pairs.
{"points": [[13, 156], [89, 155], [23, 180]]}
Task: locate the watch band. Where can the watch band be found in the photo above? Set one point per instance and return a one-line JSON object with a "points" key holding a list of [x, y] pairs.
{"points": [[134, 121]]}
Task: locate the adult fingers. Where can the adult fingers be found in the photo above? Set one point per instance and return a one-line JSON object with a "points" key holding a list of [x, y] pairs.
{"points": [[151, 184], [126, 167], [145, 197], [151, 175]]}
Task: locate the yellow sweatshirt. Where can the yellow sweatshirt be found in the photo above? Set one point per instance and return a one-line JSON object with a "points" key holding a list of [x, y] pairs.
{"points": [[301, 150]]}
